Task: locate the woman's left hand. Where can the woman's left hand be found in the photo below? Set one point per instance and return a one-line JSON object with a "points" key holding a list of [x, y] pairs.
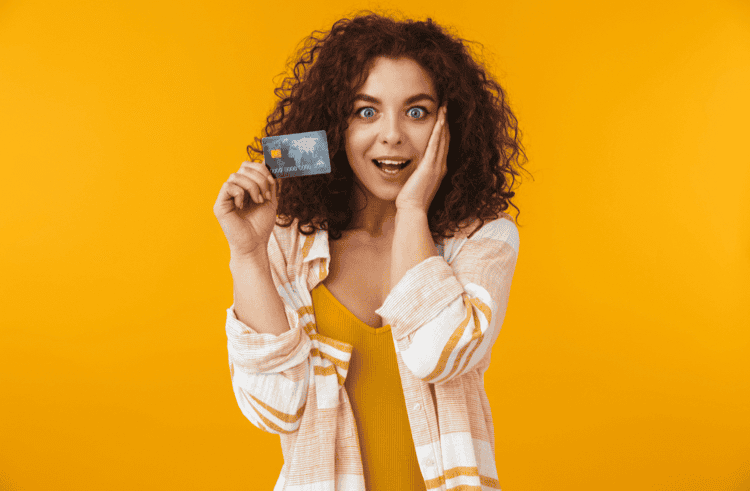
{"points": [[420, 188]]}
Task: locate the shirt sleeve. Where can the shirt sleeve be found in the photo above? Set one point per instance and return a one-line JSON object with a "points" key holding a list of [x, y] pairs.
{"points": [[445, 317], [270, 373]]}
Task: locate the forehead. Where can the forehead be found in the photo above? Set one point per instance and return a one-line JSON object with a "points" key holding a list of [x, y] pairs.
{"points": [[397, 78]]}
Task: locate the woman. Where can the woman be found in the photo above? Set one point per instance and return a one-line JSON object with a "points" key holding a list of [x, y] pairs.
{"points": [[364, 319]]}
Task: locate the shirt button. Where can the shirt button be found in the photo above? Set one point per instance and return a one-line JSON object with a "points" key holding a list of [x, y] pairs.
{"points": [[417, 407]]}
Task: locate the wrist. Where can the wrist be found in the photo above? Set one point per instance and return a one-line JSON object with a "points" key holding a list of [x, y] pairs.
{"points": [[410, 218], [411, 211], [257, 260]]}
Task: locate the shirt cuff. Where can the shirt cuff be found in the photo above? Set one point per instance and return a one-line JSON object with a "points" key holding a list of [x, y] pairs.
{"points": [[423, 292], [265, 352]]}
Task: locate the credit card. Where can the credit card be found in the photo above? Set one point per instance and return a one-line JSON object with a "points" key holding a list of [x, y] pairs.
{"points": [[298, 154]]}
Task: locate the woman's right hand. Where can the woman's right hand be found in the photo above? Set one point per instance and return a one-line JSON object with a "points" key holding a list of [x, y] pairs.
{"points": [[246, 216]]}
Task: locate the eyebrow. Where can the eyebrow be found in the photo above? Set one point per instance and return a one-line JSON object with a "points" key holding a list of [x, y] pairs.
{"points": [[410, 100]]}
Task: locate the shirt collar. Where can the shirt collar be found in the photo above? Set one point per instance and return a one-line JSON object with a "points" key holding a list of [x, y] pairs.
{"points": [[319, 248]]}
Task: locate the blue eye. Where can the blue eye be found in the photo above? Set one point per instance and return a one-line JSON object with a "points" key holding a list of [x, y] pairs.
{"points": [[366, 112], [417, 112]]}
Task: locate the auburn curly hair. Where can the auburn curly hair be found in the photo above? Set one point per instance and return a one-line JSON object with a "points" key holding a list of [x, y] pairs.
{"points": [[485, 151]]}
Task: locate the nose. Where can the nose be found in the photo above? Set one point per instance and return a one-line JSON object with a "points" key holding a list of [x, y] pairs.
{"points": [[391, 132]]}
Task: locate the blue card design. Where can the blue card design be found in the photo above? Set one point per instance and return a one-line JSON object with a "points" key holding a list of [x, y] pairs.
{"points": [[298, 154]]}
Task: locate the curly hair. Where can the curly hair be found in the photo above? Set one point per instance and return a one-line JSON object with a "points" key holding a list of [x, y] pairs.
{"points": [[485, 151]]}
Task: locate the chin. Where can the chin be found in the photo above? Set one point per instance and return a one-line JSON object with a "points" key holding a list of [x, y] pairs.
{"points": [[382, 193], [385, 195], [390, 197]]}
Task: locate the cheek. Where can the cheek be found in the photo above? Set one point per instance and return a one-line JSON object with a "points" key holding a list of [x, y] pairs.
{"points": [[423, 138], [354, 143], [355, 149]]}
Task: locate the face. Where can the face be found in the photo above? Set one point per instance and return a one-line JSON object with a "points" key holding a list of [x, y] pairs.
{"points": [[394, 113]]}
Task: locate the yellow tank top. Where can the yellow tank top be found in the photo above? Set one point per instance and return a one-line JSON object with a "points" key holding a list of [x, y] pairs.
{"points": [[373, 385]]}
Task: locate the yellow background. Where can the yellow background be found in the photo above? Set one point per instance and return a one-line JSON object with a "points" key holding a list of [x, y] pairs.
{"points": [[623, 360]]}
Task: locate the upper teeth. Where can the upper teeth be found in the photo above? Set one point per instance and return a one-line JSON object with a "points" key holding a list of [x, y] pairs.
{"points": [[392, 162]]}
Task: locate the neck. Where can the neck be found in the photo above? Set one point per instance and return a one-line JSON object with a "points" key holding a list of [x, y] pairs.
{"points": [[377, 219]]}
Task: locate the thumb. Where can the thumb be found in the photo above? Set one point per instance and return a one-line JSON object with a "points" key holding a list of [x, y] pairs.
{"points": [[275, 191]]}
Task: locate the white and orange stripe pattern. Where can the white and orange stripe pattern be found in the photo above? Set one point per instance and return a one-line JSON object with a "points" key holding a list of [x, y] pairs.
{"points": [[445, 315]]}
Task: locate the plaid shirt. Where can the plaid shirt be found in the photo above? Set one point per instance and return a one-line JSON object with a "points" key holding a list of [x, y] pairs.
{"points": [[445, 314]]}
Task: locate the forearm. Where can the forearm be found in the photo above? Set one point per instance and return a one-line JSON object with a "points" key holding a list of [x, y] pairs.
{"points": [[448, 316], [412, 243], [256, 301]]}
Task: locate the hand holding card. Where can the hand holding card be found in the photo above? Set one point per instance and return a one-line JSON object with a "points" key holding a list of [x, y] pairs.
{"points": [[246, 210], [298, 154]]}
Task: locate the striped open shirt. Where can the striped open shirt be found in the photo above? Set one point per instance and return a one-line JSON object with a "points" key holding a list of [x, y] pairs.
{"points": [[445, 314]]}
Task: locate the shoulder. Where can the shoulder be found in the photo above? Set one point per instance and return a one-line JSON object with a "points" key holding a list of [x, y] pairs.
{"points": [[494, 233], [502, 228]]}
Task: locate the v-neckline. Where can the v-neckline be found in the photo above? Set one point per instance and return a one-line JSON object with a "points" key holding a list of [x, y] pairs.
{"points": [[364, 325]]}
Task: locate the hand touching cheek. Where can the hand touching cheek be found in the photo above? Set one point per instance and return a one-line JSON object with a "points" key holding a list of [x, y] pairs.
{"points": [[421, 187]]}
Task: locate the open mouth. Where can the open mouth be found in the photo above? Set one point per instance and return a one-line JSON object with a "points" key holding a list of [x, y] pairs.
{"points": [[391, 167]]}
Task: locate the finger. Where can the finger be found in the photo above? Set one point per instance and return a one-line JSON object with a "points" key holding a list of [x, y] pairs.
{"points": [[274, 187], [440, 157], [264, 181], [440, 137], [262, 168], [251, 183], [433, 143], [275, 191], [230, 197], [444, 141], [237, 194]]}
